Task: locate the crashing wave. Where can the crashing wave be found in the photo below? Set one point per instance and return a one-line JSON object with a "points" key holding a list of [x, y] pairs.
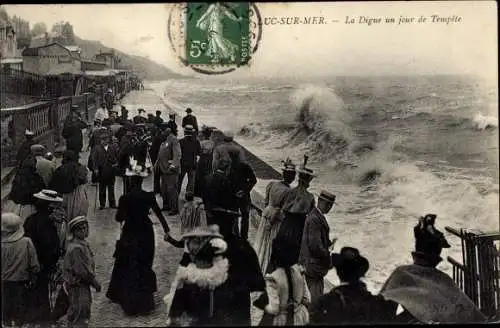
{"points": [[482, 122]]}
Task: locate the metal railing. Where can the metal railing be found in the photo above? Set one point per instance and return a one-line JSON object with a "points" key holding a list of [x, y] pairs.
{"points": [[478, 274]]}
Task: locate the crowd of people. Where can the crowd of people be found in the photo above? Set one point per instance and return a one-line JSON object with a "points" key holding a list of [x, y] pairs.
{"points": [[45, 252]]}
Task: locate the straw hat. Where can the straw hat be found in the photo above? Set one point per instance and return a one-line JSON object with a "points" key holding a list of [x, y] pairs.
{"points": [[12, 227], [327, 196], [76, 221], [28, 133], [48, 195]]}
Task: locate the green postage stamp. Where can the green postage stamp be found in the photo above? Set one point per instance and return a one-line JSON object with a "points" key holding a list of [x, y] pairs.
{"points": [[214, 38]]}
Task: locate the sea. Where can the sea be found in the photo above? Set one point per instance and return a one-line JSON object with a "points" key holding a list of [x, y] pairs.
{"points": [[391, 148]]}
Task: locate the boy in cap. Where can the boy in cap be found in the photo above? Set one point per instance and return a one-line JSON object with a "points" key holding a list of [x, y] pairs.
{"points": [[314, 251], [79, 273], [25, 149], [190, 119]]}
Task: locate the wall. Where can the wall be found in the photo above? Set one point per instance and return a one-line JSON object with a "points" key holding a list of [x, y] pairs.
{"points": [[52, 60], [93, 66]]}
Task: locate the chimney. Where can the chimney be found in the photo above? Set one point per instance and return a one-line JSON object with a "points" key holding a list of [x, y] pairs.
{"points": [[46, 38]]}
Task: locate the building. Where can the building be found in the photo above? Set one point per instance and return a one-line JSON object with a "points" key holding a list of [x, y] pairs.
{"points": [[76, 51], [9, 54], [109, 58], [90, 65], [51, 59]]}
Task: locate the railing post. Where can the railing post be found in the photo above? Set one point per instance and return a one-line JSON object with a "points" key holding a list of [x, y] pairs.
{"points": [[86, 104]]}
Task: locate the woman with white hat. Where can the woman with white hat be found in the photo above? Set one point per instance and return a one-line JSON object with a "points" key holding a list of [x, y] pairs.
{"points": [[79, 273], [19, 267], [272, 214], [43, 232], [297, 204]]}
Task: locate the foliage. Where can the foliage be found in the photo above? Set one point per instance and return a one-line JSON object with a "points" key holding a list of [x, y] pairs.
{"points": [[38, 28], [65, 29]]}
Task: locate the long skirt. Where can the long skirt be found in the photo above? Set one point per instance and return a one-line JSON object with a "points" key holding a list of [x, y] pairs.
{"points": [[76, 202], [14, 299], [80, 302], [133, 280], [266, 232], [290, 232], [38, 304]]}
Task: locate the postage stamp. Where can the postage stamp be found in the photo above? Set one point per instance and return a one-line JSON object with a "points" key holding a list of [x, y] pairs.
{"points": [[214, 38]]}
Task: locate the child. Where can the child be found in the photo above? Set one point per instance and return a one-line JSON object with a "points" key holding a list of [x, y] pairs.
{"points": [[79, 273], [19, 267], [192, 214]]}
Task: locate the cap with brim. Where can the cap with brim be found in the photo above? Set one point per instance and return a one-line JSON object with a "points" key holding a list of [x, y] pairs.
{"points": [[189, 110], [28, 133], [203, 232], [48, 195], [38, 150], [12, 228], [109, 90], [327, 196], [350, 261], [76, 221]]}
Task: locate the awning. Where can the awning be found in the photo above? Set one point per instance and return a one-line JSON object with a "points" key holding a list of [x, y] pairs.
{"points": [[106, 72], [11, 61]]}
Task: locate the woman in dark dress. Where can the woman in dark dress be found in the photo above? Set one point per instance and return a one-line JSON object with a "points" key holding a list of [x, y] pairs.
{"points": [[133, 280], [297, 204]]}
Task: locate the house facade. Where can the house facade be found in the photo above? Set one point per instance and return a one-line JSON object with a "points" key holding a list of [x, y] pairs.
{"points": [[90, 65], [51, 59]]}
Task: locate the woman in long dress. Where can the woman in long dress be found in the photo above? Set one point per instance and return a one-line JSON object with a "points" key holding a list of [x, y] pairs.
{"points": [[297, 204], [133, 280], [272, 214], [70, 180]]}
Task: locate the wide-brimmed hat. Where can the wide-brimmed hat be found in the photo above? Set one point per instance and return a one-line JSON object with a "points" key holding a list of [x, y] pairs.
{"points": [[189, 129], [350, 262], [37, 150], [109, 90], [288, 165], [12, 227], [28, 132], [327, 196], [48, 195], [189, 110], [76, 221]]}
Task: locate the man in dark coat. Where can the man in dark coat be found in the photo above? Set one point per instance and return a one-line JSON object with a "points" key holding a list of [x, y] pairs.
{"points": [[105, 166], [190, 151], [314, 251], [171, 123], [168, 164], [350, 302], [222, 149], [72, 130], [190, 119], [124, 115], [140, 118], [109, 99], [25, 149], [43, 232], [158, 120], [158, 139], [243, 178]]}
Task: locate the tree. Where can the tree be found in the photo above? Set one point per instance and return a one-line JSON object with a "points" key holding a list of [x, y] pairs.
{"points": [[3, 15], [68, 33], [38, 28]]}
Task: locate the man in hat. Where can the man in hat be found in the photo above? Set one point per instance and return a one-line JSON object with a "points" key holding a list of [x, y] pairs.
{"points": [[123, 115], [44, 167], [350, 302], [19, 268], [222, 150], [25, 149], [426, 294], [314, 251], [109, 99], [168, 165], [158, 120], [140, 118], [72, 130], [104, 165], [190, 152], [190, 119], [79, 272], [101, 113], [43, 232], [171, 123]]}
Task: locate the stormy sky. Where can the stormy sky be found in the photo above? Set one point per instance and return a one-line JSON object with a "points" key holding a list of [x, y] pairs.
{"points": [[467, 47]]}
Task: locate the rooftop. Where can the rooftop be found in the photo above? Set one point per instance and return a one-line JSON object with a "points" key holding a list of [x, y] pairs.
{"points": [[73, 48], [11, 60], [34, 51]]}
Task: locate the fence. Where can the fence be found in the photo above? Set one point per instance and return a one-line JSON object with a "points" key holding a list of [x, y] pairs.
{"points": [[21, 82], [44, 118], [478, 275]]}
